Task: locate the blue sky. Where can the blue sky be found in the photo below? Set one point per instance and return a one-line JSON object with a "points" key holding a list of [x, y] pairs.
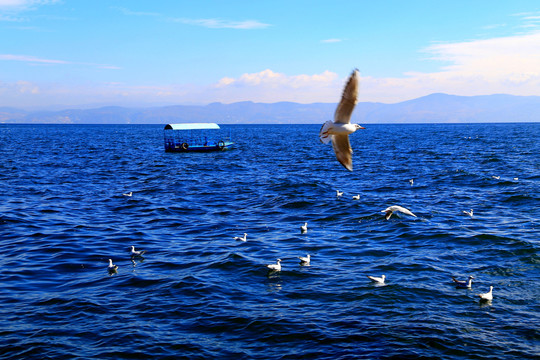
{"points": [[142, 53]]}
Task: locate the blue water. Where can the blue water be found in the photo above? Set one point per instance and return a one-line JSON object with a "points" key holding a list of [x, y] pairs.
{"points": [[199, 294]]}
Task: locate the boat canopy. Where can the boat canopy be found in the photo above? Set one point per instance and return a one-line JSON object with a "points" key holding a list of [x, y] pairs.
{"points": [[191, 126]]}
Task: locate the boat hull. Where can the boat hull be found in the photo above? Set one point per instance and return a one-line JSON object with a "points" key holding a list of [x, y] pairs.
{"points": [[185, 147]]}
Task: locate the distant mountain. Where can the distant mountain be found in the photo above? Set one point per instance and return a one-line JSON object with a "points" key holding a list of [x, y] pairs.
{"points": [[437, 108], [8, 114], [434, 108]]}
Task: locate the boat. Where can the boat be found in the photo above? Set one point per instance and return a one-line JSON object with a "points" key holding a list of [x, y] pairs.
{"points": [[195, 137]]}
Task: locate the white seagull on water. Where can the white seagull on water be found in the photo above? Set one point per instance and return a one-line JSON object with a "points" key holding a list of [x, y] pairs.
{"points": [[304, 261], [470, 213], [356, 197], [276, 266], [135, 253], [487, 296], [339, 130], [303, 228], [339, 193], [241, 238], [128, 194], [112, 268], [464, 284], [379, 280], [392, 209]]}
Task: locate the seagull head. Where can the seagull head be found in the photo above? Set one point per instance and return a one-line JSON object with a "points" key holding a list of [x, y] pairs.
{"points": [[358, 127]]}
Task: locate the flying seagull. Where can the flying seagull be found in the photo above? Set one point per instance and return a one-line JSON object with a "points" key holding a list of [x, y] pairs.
{"points": [[276, 266], [339, 130], [339, 193], [392, 209], [303, 228], [241, 238], [379, 280], [464, 284]]}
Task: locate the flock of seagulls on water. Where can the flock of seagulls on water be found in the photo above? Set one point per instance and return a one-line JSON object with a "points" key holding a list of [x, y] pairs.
{"points": [[378, 280], [306, 260], [337, 132]]}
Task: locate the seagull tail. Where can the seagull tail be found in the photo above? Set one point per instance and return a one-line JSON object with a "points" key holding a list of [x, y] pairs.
{"points": [[323, 133]]}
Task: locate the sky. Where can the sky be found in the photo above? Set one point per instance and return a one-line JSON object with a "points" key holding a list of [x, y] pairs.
{"points": [[78, 53]]}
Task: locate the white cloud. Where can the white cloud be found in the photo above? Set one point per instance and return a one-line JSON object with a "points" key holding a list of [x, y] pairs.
{"points": [[19, 5], [10, 9], [270, 78], [129, 12], [329, 41], [30, 59], [208, 23], [270, 86], [507, 65], [224, 24], [36, 60]]}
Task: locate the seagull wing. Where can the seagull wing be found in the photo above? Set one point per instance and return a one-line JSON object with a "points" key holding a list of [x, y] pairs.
{"points": [[408, 212], [343, 150], [348, 100]]}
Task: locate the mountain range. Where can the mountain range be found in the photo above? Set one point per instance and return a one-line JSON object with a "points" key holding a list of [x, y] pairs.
{"points": [[434, 108]]}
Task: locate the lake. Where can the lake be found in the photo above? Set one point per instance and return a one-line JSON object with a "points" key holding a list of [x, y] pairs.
{"points": [[197, 293]]}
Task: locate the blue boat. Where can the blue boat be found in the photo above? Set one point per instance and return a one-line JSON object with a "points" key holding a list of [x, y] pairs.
{"points": [[199, 137]]}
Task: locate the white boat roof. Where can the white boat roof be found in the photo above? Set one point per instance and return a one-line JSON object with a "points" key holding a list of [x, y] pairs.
{"points": [[191, 126]]}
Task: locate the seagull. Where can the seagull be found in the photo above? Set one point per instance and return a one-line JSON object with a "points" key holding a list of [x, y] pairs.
{"points": [[241, 238], [339, 193], [339, 130], [496, 177], [390, 210], [465, 284], [356, 197], [128, 194], [276, 266], [487, 296], [379, 280], [112, 268], [303, 228], [304, 261], [516, 179], [135, 253], [470, 213]]}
